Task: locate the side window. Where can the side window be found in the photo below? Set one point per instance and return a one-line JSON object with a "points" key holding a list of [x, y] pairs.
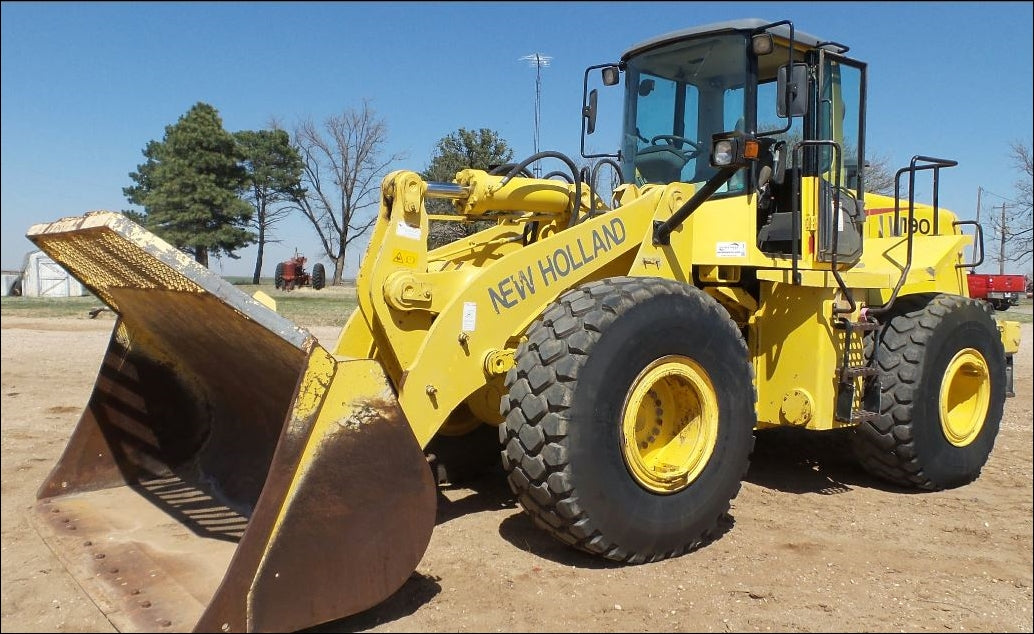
{"points": [[839, 118], [732, 119], [850, 121]]}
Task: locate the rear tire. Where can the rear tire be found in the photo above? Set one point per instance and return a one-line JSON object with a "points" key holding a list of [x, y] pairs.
{"points": [[461, 459], [278, 276], [319, 277], [586, 395], [942, 376]]}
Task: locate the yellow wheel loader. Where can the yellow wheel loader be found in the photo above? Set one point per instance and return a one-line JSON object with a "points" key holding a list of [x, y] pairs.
{"points": [[230, 473]]}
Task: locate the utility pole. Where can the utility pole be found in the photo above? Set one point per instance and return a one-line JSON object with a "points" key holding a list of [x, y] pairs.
{"points": [[539, 61], [1001, 250], [979, 189]]}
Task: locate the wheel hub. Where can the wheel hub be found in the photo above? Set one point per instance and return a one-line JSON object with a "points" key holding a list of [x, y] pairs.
{"points": [[669, 424], [964, 397]]}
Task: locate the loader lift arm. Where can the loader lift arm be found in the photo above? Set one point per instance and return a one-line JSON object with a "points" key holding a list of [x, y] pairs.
{"points": [[444, 326]]}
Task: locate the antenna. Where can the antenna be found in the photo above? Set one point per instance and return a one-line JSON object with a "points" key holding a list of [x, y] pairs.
{"points": [[538, 61]]}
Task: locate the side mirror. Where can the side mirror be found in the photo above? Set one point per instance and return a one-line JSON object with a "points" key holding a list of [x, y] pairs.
{"points": [[792, 91], [589, 113], [611, 75]]}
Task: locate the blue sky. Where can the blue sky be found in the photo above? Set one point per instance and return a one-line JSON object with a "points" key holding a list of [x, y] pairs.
{"points": [[85, 86]]}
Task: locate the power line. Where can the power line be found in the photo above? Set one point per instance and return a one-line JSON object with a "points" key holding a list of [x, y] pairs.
{"points": [[538, 61], [1005, 198]]}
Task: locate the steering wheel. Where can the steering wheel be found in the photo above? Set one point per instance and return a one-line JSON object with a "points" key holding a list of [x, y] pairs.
{"points": [[673, 139]]}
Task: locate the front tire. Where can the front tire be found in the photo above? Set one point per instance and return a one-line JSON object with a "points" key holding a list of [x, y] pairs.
{"points": [[629, 418], [942, 376], [460, 459], [319, 277]]}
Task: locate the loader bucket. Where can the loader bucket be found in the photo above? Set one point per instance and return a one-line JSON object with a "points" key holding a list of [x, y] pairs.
{"points": [[228, 473]]}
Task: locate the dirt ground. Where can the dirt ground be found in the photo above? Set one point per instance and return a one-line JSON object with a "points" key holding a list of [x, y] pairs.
{"points": [[814, 543]]}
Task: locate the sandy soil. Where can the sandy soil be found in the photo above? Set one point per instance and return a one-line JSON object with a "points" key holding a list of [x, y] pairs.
{"points": [[814, 543]]}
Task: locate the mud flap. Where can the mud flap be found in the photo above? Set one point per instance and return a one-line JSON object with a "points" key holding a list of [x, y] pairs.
{"points": [[227, 474]]}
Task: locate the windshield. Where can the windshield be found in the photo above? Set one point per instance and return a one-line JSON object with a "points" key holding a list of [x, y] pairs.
{"points": [[679, 95]]}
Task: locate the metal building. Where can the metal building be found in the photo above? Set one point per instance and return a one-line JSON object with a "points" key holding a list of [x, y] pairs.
{"points": [[43, 277]]}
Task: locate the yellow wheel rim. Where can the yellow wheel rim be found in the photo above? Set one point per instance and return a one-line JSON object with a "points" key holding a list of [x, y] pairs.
{"points": [[965, 395], [669, 424]]}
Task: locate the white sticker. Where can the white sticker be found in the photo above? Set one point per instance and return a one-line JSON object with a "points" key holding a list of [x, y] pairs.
{"points": [[730, 250], [404, 230], [840, 218], [470, 316]]}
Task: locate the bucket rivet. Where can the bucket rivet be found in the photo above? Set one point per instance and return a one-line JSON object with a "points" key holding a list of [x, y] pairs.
{"points": [[99, 556], [225, 627], [164, 622], [145, 604]]}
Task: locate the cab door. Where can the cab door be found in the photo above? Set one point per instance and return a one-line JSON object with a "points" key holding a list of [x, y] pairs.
{"points": [[840, 119]]}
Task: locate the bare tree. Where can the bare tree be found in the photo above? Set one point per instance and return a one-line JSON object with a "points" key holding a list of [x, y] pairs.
{"points": [[879, 177], [343, 164], [1011, 220], [1019, 224]]}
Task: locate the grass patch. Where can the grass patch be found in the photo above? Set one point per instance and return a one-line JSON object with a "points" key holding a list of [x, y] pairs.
{"points": [[245, 280], [330, 306], [75, 307], [1011, 315], [1021, 312], [327, 307]]}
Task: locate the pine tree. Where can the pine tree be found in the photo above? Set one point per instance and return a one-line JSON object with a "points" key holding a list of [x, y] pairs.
{"points": [[275, 170], [480, 149], [190, 187]]}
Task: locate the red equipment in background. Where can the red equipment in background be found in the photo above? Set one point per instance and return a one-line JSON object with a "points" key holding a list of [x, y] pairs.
{"points": [[291, 274], [1001, 291]]}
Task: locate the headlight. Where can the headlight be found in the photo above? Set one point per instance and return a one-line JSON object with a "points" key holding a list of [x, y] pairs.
{"points": [[724, 153]]}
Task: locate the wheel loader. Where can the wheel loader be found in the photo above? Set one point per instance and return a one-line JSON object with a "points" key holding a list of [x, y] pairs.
{"points": [[231, 473]]}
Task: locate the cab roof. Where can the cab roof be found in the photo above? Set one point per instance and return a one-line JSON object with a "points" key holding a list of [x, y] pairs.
{"points": [[746, 24]]}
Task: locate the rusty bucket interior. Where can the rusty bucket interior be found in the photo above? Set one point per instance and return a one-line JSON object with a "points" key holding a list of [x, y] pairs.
{"points": [[227, 473]]}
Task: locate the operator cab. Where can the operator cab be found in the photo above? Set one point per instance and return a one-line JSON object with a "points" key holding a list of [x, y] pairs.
{"points": [[739, 78]]}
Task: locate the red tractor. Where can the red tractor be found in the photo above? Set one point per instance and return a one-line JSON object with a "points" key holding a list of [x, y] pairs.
{"points": [[291, 274]]}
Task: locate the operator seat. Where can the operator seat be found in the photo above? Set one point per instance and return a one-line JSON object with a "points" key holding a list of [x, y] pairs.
{"points": [[775, 216], [661, 163]]}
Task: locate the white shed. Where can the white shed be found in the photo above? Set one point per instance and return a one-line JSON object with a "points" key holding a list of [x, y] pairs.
{"points": [[43, 277], [12, 283]]}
